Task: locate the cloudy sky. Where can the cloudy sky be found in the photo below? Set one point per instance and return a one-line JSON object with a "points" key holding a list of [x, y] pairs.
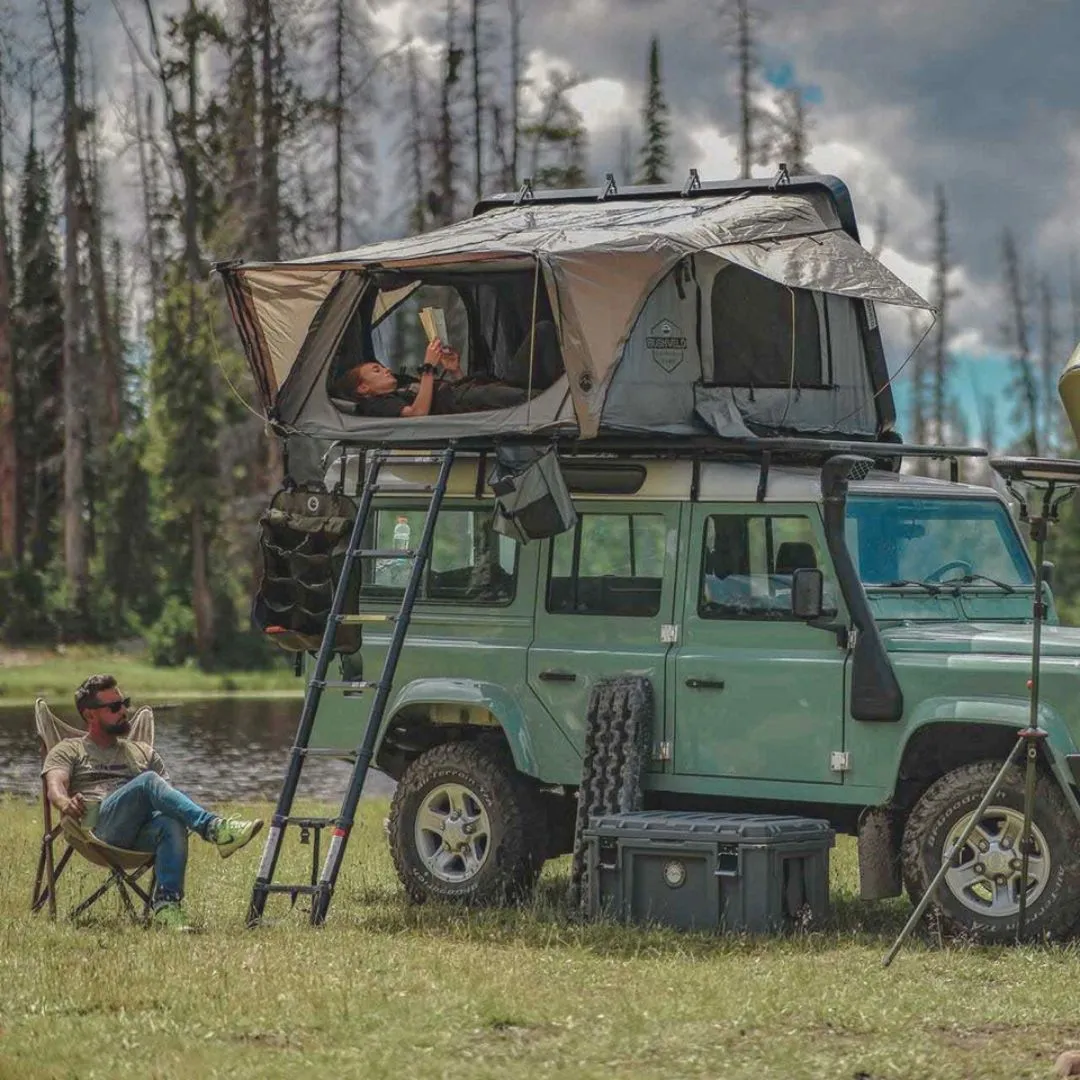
{"points": [[979, 96]]}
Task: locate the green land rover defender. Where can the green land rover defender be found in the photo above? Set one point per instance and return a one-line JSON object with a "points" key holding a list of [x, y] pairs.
{"points": [[887, 705]]}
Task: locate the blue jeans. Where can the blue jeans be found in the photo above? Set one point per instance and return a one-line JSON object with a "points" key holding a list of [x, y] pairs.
{"points": [[149, 814]]}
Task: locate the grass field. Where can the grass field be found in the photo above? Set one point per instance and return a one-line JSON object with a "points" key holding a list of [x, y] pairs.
{"points": [[390, 990], [26, 674]]}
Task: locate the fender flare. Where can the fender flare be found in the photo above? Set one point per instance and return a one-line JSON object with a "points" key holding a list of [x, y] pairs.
{"points": [[471, 693], [1012, 713]]}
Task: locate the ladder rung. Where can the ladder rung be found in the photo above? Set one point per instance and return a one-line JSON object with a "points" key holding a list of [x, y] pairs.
{"points": [[326, 751], [378, 553], [413, 459], [355, 620], [347, 684], [376, 488], [293, 890], [310, 822]]}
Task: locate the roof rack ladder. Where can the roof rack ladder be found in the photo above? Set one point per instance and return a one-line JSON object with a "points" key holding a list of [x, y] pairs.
{"points": [[321, 886]]}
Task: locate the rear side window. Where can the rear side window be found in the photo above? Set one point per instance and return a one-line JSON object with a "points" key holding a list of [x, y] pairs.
{"points": [[469, 564], [609, 564], [748, 561]]}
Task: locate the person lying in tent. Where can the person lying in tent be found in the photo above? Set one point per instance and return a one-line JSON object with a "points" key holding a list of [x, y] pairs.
{"points": [[442, 388]]}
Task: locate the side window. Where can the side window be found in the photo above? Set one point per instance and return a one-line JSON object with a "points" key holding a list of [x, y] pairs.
{"points": [[609, 564], [747, 564], [764, 334], [469, 564]]}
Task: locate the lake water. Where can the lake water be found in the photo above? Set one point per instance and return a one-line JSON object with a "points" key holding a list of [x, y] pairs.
{"points": [[216, 751]]}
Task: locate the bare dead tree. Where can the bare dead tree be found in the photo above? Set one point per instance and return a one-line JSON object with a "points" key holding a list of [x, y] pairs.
{"points": [[942, 296], [516, 79], [477, 100], [1048, 365], [1017, 335], [9, 473], [742, 20], [9, 476], [76, 565]]}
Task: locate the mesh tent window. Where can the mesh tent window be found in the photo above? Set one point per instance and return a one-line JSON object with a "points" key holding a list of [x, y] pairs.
{"points": [[764, 334], [489, 316]]}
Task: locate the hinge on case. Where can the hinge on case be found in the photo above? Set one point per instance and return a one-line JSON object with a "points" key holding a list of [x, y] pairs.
{"points": [[840, 761], [852, 637], [663, 752], [669, 633]]}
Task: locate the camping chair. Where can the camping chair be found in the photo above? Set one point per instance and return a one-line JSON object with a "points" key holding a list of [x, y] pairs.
{"points": [[125, 867]]}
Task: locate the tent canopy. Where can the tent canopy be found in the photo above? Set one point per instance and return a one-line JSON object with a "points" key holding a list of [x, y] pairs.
{"points": [[598, 264]]}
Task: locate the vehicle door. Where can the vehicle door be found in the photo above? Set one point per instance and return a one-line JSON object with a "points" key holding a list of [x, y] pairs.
{"points": [[605, 603], [758, 694]]}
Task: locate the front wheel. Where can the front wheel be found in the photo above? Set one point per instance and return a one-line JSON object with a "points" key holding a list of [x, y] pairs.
{"points": [[465, 826], [980, 893]]}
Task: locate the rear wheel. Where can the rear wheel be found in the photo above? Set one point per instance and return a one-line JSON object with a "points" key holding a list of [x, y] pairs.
{"points": [[465, 826], [980, 894]]}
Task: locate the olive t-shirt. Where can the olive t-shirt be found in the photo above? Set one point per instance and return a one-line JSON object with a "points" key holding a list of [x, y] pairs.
{"points": [[96, 771]]}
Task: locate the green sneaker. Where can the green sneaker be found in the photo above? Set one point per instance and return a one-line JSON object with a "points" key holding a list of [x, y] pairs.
{"points": [[171, 916], [231, 834]]}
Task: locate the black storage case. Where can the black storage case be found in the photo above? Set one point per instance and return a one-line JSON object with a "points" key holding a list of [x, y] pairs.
{"points": [[752, 873]]}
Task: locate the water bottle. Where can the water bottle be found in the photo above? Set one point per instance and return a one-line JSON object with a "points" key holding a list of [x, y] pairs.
{"points": [[399, 567]]}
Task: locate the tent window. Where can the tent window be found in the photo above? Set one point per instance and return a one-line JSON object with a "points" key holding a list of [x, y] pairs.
{"points": [[764, 334], [488, 317]]}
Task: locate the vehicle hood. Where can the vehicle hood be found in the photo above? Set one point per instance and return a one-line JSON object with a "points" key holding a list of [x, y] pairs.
{"points": [[1003, 639]]}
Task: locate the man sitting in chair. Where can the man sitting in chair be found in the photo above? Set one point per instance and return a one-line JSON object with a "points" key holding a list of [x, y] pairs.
{"points": [[120, 790]]}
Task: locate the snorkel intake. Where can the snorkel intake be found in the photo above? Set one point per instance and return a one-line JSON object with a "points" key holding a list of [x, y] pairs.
{"points": [[875, 692]]}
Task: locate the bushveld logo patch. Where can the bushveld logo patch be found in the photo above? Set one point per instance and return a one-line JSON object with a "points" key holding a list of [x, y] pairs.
{"points": [[667, 343]]}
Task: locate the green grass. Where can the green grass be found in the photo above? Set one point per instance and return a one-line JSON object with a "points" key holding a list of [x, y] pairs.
{"points": [[28, 674], [390, 990]]}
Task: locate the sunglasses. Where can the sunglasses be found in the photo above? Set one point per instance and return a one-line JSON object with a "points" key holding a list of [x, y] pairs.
{"points": [[112, 706]]}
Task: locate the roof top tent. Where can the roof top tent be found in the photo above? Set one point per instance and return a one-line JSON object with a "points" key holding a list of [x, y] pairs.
{"points": [[737, 310]]}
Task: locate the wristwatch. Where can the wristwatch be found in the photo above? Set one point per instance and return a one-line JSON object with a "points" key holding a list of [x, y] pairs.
{"points": [[427, 369]]}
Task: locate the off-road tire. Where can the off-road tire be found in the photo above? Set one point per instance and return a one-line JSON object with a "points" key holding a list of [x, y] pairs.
{"points": [[956, 794], [516, 852], [617, 732]]}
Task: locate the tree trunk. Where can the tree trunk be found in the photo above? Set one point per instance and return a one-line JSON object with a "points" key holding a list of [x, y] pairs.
{"points": [[202, 598], [515, 89], [745, 52], [941, 299], [269, 189], [110, 362], [339, 124], [75, 557], [478, 134], [8, 470]]}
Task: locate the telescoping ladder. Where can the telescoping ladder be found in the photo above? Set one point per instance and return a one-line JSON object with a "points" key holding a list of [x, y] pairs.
{"points": [[321, 887]]}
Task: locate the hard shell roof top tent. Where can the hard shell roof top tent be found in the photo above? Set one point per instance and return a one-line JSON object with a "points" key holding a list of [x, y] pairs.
{"points": [[737, 310]]}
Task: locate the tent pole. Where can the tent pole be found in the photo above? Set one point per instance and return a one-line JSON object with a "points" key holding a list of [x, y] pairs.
{"points": [[532, 338]]}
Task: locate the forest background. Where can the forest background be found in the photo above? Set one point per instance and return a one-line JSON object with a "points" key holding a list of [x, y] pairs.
{"points": [[133, 462]]}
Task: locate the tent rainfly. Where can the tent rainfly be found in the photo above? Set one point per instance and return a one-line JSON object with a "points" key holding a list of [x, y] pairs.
{"points": [[743, 311]]}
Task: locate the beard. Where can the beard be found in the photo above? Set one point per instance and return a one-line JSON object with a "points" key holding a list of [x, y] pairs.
{"points": [[118, 727]]}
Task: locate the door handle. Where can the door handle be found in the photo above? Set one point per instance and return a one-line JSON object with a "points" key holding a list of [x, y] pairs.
{"points": [[705, 684], [550, 675]]}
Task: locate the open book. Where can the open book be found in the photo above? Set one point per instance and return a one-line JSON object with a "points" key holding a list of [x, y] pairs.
{"points": [[433, 320]]}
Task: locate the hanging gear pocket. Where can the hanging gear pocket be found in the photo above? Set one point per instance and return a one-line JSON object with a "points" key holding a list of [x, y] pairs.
{"points": [[303, 536], [532, 501]]}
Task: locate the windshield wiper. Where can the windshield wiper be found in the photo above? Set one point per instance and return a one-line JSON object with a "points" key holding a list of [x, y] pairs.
{"points": [[971, 579], [931, 587]]}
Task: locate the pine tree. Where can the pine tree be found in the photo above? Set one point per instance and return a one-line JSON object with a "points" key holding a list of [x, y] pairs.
{"points": [[655, 164], [38, 333], [740, 23], [9, 476], [557, 137], [942, 296]]}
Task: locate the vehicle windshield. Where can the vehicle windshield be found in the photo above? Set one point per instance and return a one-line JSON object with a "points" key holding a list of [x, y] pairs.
{"points": [[936, 541]]}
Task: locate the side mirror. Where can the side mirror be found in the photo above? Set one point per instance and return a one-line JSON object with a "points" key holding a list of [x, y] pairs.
{"points": [[1048, 573], [807, 593]]}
